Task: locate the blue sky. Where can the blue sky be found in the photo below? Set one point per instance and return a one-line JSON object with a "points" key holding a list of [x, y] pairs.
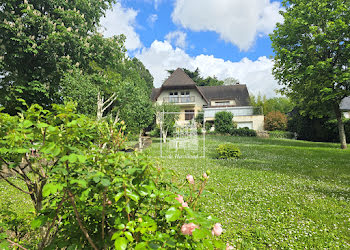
{"points": [[223, 38]]}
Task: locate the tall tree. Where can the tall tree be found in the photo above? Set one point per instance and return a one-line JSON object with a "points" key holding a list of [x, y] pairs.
{"points": [[312, 51], [41, 40]]}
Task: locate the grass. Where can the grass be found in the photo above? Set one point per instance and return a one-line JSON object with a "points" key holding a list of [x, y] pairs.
{"points": [[281, 194]]}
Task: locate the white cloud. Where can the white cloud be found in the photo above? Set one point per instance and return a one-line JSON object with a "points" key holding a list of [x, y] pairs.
{"points": [[178, 38], [161, 56], [152, 19], [122, 21], [237, 21]]}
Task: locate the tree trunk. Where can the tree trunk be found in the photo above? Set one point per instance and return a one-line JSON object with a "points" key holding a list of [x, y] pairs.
{"points": [[341, 129], [165, 132], [140, 140]]}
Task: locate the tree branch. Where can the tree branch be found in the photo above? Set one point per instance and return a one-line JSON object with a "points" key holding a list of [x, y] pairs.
{"points": [[13, 185], [43, 242], [71, 197], [15, 244]]}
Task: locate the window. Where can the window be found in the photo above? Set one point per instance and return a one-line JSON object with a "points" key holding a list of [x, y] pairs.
{"points": [[189, 114], [222, 103]]}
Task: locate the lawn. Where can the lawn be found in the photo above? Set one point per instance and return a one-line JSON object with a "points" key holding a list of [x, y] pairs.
{"points": [[280, 194]]}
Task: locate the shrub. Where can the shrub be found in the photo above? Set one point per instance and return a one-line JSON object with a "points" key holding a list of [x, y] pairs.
{"points": [[208, 126], [275, 120], [223, 122], [90, 194], [281, 134], [243, 132], [200, 119], [228, 151]]}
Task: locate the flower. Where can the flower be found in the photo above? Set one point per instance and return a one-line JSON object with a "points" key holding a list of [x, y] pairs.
{"points": [[228, 247], [190, 179], [179, 198], [187, 229], [217, 229], [184, 204], [205, 176]]}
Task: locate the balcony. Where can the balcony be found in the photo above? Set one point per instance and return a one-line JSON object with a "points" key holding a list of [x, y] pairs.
{"points": [[180, 99]]}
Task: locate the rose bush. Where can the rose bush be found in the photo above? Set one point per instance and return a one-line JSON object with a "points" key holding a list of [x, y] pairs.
{"points": [[88, 193]]}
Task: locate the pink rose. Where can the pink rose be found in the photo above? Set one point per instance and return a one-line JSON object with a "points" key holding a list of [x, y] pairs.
{"points": [[179, 198], [187, 229], [228, 247], [184, 204], [205, 176], [190, 179], [217, 229]]}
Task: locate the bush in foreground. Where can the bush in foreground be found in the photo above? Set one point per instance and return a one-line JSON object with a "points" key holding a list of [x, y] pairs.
{"points": [[87, 193], [228, 151]]}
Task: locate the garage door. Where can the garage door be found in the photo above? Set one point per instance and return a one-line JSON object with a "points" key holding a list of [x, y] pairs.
{"points": [[245, 125]]}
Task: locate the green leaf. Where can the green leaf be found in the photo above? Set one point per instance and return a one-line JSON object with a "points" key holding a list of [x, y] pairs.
{"points": [[129, 236], [38, 221], [27, 124], [105, 182], [141, 246], [82, 158], [172, 214], [51, 188], [72, 158], [42, 125], [133, 196], [118, 196], [120, 243], [199, 234]]}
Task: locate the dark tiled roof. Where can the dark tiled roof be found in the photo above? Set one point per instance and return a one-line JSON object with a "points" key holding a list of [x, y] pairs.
{"points": [[178, 79], [155, 93], [238, 92], [345, 103]]}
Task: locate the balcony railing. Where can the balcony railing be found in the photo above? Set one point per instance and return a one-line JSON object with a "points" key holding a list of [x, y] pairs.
{"points": [[180, 99], [236, 111]]}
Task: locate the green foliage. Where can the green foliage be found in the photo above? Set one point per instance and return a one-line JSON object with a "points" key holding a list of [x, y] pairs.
{"points": [[281, 134], [199, 119], [228, 151], [167, 121], [223, 122], [243, 132], [200, 81], [311, 55], [316, 129], [87, 193], [282, 104], [275, 120], [40, 41]]}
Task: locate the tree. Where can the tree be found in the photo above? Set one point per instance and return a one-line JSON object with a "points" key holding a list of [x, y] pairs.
{"points": [[136, 109], [312, 50], [200, 81], [231, 81], [166, 116], [40, 41], [282, 104]]}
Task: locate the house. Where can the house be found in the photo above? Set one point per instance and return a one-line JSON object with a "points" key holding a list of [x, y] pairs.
{"points": [[181, 90], [345, 107]]}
